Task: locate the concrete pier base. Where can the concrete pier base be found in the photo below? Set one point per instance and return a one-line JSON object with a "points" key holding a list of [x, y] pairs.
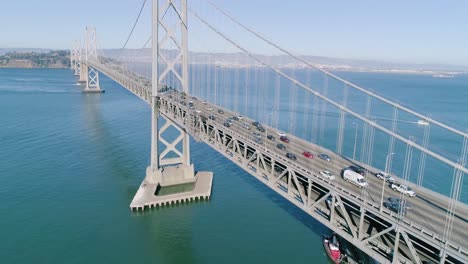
{"points": [[146, 196], [93, 90]]}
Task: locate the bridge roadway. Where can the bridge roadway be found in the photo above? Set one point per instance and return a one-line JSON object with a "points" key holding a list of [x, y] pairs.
{"points": [[428, 212]]}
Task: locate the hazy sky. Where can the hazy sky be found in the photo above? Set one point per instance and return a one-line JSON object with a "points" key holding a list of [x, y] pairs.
{"points": [[398, 30]]}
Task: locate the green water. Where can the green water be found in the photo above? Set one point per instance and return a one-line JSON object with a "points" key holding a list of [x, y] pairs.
{"points": [[70, 164]]}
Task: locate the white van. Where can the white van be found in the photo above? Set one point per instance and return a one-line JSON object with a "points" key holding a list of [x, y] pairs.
{"points": [[354, 178]]}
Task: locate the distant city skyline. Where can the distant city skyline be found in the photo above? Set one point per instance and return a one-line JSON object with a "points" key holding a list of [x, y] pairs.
{"points": [[420, 32]]}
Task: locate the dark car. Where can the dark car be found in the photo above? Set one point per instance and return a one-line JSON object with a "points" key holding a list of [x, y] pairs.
{"points": [[212, 117], [291, 156], [220, 111], [397, 200], [395, 207], [357, 169], [281, 146], [235, 118], [227, 124], [255, 123], [260, 128], [271, 137], [284, 139], [324, 157]]}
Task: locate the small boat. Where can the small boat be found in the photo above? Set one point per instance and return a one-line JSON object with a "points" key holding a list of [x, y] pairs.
{"points": [[332, 247], [422, 122], [442, 76]]}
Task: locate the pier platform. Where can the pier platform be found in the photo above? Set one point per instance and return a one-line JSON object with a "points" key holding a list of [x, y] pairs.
{"points": [[94, 91], [146, 195]]}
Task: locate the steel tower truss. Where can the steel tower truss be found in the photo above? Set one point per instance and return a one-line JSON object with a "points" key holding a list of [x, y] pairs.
{"points": [[169, 69], [75, 58], [92, 75]]}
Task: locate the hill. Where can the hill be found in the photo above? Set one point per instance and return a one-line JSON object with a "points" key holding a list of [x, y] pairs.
{"points": [[50, 59]]}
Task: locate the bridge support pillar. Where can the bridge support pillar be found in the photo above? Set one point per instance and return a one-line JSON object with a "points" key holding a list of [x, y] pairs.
{"points": [[90, 74], [171, 176]]}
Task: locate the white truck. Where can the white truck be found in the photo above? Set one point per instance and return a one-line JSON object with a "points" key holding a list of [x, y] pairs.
{"points": [[403, 189], [354, 178]]}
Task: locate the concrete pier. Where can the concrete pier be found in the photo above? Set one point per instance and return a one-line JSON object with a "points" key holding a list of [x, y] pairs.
{"points": [[145, 196], [93, 90]]}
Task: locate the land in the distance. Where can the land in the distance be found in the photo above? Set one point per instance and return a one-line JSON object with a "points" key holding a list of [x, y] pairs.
{"points": [[45, 58], [35, 59]]}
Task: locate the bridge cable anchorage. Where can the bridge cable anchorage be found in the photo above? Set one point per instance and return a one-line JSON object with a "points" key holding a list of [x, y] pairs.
{"points": [[290, 53], [325, 98]]}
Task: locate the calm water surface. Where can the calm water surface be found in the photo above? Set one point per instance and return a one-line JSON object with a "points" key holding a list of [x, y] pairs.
{"points": [[70, 164]]}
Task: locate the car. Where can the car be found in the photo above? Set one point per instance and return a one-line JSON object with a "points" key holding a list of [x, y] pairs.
{"points": [[191, 107], [324, 156], [357, 169], [399, 201], [281, 146], [271, 137], [194, 98], [329, 201], [240, 117], [220, 111], [255, 124], [205, 102], [212, 117], [257, 135], [291, 156], [260, 128], [246, 126], [284, 139], [227, 124], [403, 189], [385, 176], [235, 118], [209, 109], [308, 155], [395, 207], [190, 102], [281, 134], [258, 140], [327, 174], [198, 111]]}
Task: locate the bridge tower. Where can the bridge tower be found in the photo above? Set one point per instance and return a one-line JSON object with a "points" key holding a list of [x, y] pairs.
{"points": [[75, 58], [88, 73], [171, 166], [72, 58]]}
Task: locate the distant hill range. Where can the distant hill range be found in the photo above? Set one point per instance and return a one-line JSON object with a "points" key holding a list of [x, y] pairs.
{"points": [[242, 60], [339, 64], [34, 58]]}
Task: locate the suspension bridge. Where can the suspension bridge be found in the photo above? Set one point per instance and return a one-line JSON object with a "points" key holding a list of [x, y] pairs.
{"points": [[295, 129]]}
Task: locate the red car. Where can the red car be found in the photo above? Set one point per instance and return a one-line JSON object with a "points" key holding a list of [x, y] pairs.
{"points": [[284, 139], [308, 155]]}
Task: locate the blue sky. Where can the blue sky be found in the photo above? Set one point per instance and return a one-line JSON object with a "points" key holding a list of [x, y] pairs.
{"points": [[398, 31]]}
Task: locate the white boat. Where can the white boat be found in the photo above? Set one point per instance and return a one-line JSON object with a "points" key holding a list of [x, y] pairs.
{"points": [[442, 76], [422, 122]]}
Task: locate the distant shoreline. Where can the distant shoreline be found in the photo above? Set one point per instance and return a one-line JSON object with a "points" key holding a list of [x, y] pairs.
{"points": [[436, 74], [17, 67]]}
